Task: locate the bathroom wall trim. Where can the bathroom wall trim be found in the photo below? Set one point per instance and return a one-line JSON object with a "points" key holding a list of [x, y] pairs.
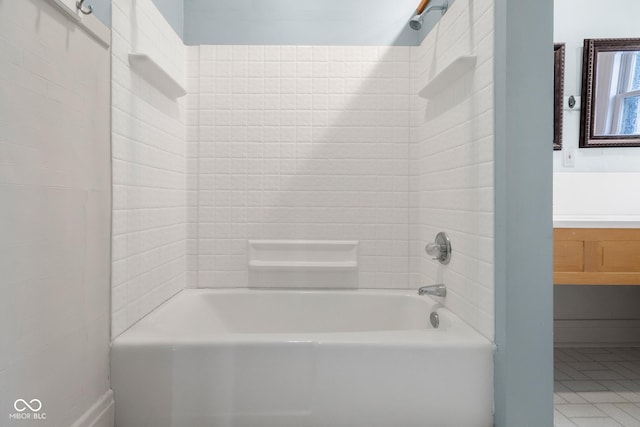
{"points": [[100, 414]]}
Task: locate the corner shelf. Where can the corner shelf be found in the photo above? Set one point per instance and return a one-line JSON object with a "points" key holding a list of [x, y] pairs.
{"points": [[452, 72], [156, 75]]}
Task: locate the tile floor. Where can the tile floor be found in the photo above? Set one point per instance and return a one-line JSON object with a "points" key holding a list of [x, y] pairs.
{"points": [[597, 387]]}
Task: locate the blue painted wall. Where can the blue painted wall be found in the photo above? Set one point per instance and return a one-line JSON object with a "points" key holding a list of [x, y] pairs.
{"points": [[302, 22], [289, 22], [173, 12], [102, 10], [523, 96]]}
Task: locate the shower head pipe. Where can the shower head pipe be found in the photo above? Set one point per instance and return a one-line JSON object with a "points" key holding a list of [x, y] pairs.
{"points": [[422, 6], [418, 19]]}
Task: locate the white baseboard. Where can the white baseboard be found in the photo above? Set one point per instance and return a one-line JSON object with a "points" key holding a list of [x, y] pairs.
{"points": [[596, 332], [100, 414]]}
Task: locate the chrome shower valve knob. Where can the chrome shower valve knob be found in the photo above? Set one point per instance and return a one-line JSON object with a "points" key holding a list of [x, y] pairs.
{"points": [[440, 249]]}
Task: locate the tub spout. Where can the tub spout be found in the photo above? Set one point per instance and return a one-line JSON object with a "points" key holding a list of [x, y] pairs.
{"points": [[438, 290]]}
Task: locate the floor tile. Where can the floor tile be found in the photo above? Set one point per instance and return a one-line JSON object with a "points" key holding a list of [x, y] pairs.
{"points": [[613, 385], [625, 372], [583, 385], [632, 366], [594, 350], [559, 375], [560, 420], [602, 397], [595, 422], [560, 355], [579, 355], [631, 385], [618, 414], [606, 374], [630, 408], [572, 373], [579, 410], [588, 366], [624, 388], [629, 353], [597, 387], [571, 397]]}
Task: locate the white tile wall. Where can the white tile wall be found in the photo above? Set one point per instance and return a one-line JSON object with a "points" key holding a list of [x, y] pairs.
{"points": [[300, 143], [149, 167], [193, 150], [322, 142], [451, 163], [54, 213]]}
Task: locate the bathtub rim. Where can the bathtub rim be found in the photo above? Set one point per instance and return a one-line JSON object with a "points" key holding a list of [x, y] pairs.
{"points": [[458, 334]]}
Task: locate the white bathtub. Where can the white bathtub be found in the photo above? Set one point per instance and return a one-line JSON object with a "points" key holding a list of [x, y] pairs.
{"points": [[270, 358]]}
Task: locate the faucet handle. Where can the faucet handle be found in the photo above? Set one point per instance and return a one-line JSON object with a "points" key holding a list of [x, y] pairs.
{"points": [[440, 249], [433, 249]]}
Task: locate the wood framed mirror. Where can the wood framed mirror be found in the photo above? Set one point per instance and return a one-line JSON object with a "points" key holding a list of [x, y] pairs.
{"points": [[610, 110], [558, 94]]}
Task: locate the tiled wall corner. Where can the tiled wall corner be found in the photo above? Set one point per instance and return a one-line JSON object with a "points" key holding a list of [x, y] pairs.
{"points": [[451, 165], [149, 245], [55, 211], [303, 143], [193, 149]]}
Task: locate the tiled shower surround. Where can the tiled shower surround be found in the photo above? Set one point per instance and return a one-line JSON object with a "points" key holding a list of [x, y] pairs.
{"points": [[302, 143], [451, 163], [149, 168], [331, 142]]}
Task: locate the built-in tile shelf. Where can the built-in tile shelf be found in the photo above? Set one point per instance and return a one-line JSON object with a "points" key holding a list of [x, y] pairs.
{"points": [[299, 265], [144, 65], [303, 255], [449, 74]]}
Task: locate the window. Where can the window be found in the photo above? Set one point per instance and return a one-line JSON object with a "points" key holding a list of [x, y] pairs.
{"points": [[610, 113], [626, 102]]}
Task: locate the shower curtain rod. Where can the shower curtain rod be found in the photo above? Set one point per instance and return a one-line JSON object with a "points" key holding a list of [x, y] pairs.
{"points": [[422, 6]]}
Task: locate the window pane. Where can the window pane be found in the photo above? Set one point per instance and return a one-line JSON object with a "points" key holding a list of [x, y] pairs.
{"points": [[630, 112], [635, 80]]}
